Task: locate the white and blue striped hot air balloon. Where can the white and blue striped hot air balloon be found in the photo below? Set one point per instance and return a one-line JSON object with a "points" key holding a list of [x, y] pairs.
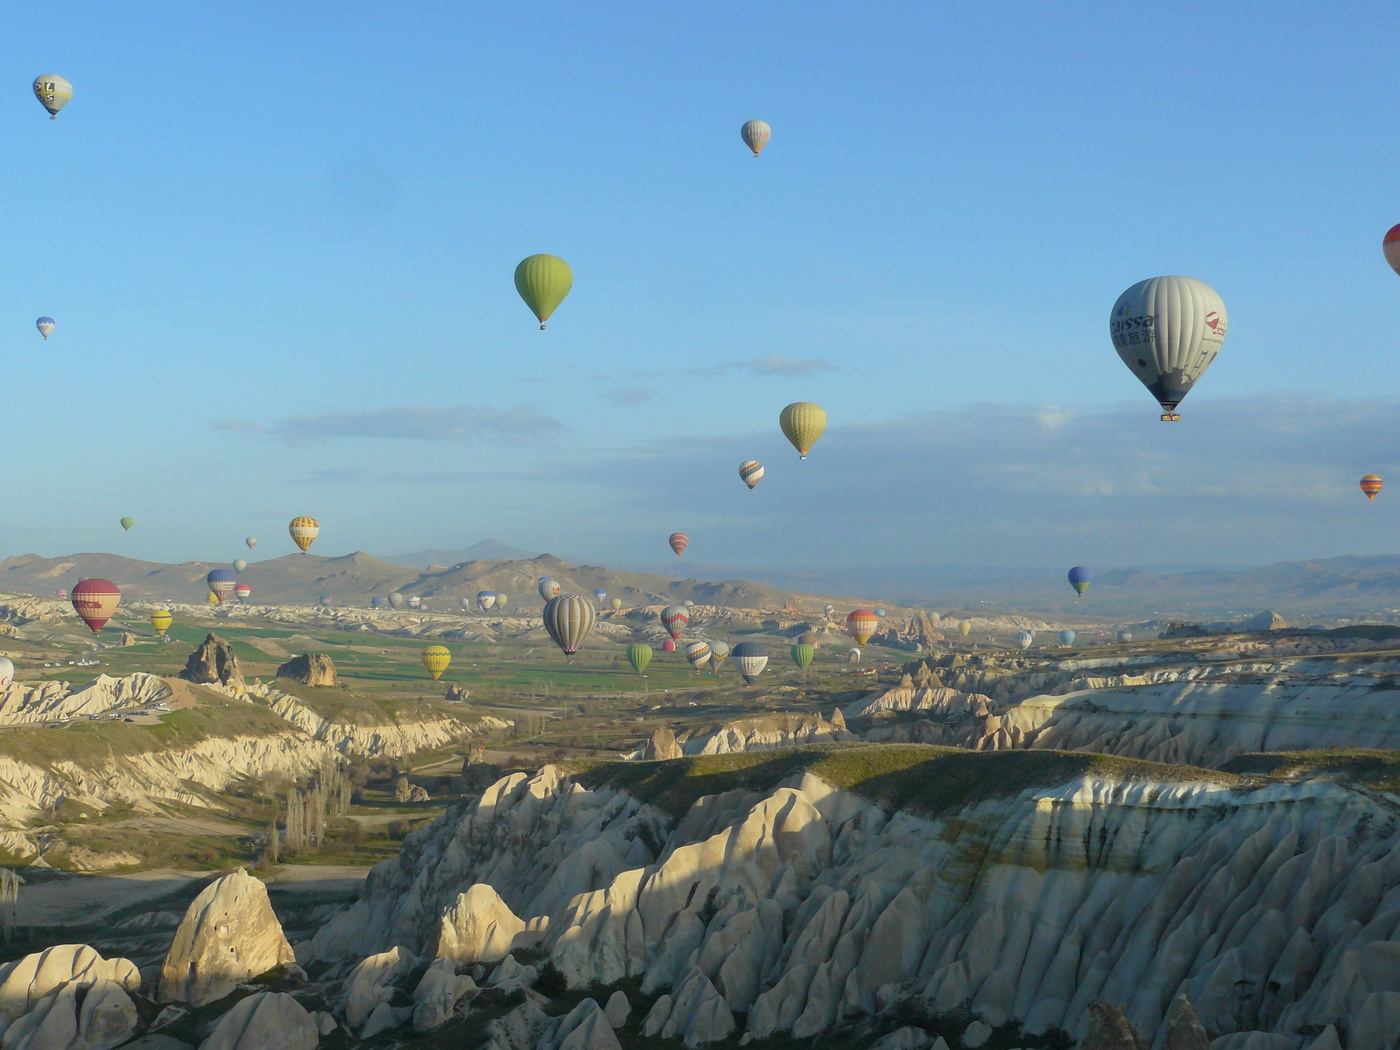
{"points": [[46, 326], [600, 594], [485, 600]]}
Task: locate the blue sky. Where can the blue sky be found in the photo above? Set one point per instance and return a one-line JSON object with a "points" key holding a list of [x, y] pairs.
{"points": [[278, 242]]}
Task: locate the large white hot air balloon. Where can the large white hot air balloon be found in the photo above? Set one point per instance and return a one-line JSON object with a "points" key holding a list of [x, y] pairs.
{"points": [[569, 618], [1168, 330]]}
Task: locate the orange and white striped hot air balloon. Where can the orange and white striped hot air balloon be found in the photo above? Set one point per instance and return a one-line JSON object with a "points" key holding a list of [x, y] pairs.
{"points": [[304, 531], [1371, 484], [679, 541], [861, 624]]}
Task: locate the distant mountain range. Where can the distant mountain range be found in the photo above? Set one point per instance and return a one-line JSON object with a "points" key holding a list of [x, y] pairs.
{"points": [[486, 550]]}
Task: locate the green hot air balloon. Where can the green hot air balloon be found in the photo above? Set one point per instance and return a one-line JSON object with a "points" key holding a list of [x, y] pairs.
{"points": [[802, 655], [639, 656], [543, 281], [127, 523], [802, 423]]}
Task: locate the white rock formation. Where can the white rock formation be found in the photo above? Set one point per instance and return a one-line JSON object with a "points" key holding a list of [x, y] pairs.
{"points": [[766, 733], [21, 703], [618, 1009], [439, 992], [909, 696], [585, 1027], [479, 927], [370, 984], [229, 934], [73, 966], [1270, 906], [264, 1021]]}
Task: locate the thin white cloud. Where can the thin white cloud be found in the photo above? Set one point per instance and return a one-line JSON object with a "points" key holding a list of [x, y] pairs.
{"points": [[458, 424], [630, 395], [772, 365]]}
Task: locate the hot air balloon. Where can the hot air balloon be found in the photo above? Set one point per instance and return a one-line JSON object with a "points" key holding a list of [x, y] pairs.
{"points": [[63, 594], [161, 620], [251, 541], [668, 646], [861, 624], [675, 619], [697, 654], [802, 423], [95, 601], [880, 613], [828, 609], [853, 655], [569, 618], [210, 598], [127, 523], [1168, 330], [808, 638], [679, 541], [639, 656], [239, 564], [750, 658], [1125, 636], [1067, 637], [964, 627], [688, 604], [600, 594], [802, 655], [326, 601], [46, 326], [751, 473], [1024, 639], [1371, 484], [377, 602], [719, 652], [616, 604], [304, 531], [220, 582], [548, 588], [396, 600], [53, 92], [485, 600], [543, 281], [755, 134], [1080, 578], [435, 660], [501, 600], [242, 592], [1391, 247], [7, 672]]}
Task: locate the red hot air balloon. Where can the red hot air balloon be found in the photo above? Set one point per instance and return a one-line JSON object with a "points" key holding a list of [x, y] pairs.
{"points": [[668, 646], [679, 542], [1391, 247], [1371, 484], [95, 601]]}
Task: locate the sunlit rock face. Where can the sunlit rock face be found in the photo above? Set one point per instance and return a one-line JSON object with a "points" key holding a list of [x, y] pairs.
{"points": [[800, 908]]}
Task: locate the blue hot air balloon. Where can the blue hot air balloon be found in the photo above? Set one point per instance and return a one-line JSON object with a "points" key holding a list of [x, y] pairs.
{"points": [[1080, 578], [221, 582], [1066, 637], [600, 594], [45, 325]]}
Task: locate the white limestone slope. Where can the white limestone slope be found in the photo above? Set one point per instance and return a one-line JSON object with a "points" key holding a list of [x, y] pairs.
{"points": [[1271, 906], [22, 704]]}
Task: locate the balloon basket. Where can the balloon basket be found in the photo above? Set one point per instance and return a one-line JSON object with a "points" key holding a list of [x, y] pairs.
{"points": [[1171, 417]]}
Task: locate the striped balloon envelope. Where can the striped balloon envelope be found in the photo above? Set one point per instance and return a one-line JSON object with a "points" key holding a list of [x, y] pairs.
{"points": [[698, 654], [221, 582], [861, 624], [304, 531], [756, 134], [1371, 484], [242, 592], [675, 619], [569, 620], [750, 658], [719, 652], [1024, 639], [95, 601], [679, 541], [751, 472], [1391, 247], [485, 600], [161, 620], [639, 656]]}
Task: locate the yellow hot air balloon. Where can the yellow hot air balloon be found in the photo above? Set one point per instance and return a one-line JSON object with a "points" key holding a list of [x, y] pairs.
{"points": [[802, 423], [161, 620], [965, 627], [435, 660], [543, 281], [304, 531], [211, 599]]}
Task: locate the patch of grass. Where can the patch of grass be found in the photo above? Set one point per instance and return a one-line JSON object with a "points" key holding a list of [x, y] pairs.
{"points": [[921, 777], [1377, 770]]}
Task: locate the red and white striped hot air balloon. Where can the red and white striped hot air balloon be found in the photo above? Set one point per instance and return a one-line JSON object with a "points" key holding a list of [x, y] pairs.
{"points": [[675, 618], [679, 541], [95, 601], [1391, 247]]}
